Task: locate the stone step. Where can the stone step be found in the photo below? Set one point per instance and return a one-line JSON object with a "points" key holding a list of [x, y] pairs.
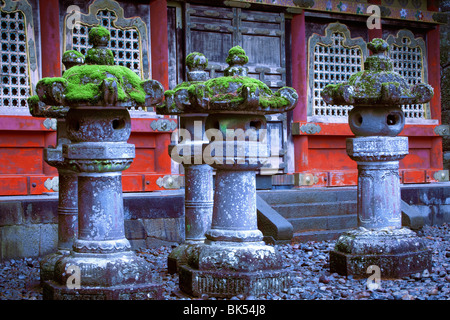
{"points": [[301, 210], [317, 235], [337, 222], [316, 195]]}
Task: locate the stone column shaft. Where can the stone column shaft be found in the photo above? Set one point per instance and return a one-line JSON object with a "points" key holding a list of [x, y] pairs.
{"points": [[101, 214], [67, 209], [198, 201], [379, 195], [236, 189]]}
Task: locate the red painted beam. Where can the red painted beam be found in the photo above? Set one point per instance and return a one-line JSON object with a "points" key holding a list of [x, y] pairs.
{"points": [[159, 42], [50, 38]]}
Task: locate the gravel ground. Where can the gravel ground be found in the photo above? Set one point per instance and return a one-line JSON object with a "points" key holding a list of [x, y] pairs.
{"points": [[311, 279]]}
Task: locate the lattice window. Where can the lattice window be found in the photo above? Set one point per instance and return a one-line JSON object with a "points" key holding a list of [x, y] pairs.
{"points": [[407, 54], [125, 44], [333, 59], [15, 88]]}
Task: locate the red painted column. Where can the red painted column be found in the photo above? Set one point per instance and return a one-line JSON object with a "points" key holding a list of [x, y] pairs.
{"points": [[159, 42], [50, 38], [51, 57], [434, 79], [160, 72], [375, 33], [434, 71], [299, 59]]}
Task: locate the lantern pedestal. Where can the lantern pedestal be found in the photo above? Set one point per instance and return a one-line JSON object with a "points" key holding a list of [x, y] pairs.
{"points": [[101, 264], [376, 119], [380, 239], [198, 177], [233, 259]]}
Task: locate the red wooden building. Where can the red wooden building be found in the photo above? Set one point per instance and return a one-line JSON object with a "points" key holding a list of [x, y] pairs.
{"points": [[303, 44]]}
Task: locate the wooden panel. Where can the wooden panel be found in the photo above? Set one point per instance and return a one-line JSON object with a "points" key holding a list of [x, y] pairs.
{"points": [[413, 176], [330, 159], [37, 184], [417, 158], [258, 30], [322, 142], [23, 139], [13, 185], [343, 178], [21, 161], [142, 140], [211, 31], [132, 182], [144, 161]]}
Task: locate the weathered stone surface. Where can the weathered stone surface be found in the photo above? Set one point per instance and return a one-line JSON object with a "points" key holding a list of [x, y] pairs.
{"points": [[233, 259], [198, 202], [376, 119], [30, 240], [55, 291], [229, 283], [377, 148], [235, 92], [98, 125]]}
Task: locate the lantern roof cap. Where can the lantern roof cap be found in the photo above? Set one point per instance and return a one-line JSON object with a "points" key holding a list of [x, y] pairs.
{"points": [[378, 85], [235, 92], [95, 81]]}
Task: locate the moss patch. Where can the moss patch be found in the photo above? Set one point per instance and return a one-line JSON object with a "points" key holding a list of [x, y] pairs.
{"points": [[83, 83], [99, 56], [73, 54], [236, 51], [98, 35], [193, 60]]}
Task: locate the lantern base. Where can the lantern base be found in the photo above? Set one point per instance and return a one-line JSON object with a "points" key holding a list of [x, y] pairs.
{"points": [[56, 291], [397, 252], [226, 269], [227, 284], [120, 275], [47, 264]]}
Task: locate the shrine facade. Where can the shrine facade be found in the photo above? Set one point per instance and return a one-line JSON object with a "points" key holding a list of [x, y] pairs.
{"points": [[302, 44]]}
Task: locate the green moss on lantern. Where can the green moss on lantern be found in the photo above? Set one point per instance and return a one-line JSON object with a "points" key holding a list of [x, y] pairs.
{"points": [[32, 100], [192, 62], [236, 51], [73, 54], [99, 34], [99, 56], [83, 83]]}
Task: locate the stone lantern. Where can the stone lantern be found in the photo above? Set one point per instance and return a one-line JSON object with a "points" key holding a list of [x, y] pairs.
{"points": [[101, 264], [376, 119], [233, 259], [197, 174]]}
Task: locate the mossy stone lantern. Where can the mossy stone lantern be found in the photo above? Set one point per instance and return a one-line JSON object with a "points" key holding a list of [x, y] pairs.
{"points": [[198, 176], [376, 119], [233, 259], [98, 94]]}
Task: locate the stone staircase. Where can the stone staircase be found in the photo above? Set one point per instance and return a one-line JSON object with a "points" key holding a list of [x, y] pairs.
{"points": [[315, 214]]}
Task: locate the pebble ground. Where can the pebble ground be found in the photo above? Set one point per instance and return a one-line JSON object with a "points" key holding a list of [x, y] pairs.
{"points": [[309, 266]]}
